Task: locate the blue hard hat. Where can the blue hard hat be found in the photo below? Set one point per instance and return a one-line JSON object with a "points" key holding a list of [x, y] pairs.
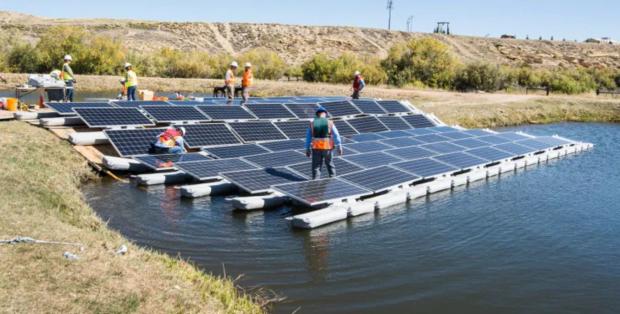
{"points": [[321, 109]]}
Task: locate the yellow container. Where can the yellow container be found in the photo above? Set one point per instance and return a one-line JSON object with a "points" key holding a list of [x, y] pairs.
{"points": [[11, 104]]}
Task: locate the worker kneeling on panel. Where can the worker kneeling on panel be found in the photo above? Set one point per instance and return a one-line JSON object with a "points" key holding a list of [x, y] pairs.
{"points": [[169, 142], [321, 139]]}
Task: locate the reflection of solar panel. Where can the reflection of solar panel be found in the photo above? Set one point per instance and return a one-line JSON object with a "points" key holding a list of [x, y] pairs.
{"points": [[139, 103], [471, 143], [366, 147], [402, 142], [443, 147], [133, 142], [212, 134], [284, 145], [302, 111], [489, 153], [380, 178], [412, 152], [368, 106], [315, 192], [367, 125], [342, 167], [261, 180], [418, 121], [257, 131], [167, 161], [367, 137], [270, 111], [431, 138], [393, 106], [340, 108], [344, 128], [293, 129], [514, 148], [175, 113], [369, 160], [65, 108], [277, 159], [226, 112], [211, 169], [460, 160], [236, 150], [110, 117], [457, 135], [394, 134], [425, 167], [395, 123]]}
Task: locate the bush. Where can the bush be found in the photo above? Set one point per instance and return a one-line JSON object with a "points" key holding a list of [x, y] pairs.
{"points": [[318, 69], [341, 70], [23, 58], [604, 78], [424, 60], [266, 64], [478, 76], [570, 81], [59, 41]]}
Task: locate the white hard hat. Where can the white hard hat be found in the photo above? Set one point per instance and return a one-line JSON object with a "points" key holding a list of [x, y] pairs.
{"points": [[182, 129], [248, 65], [127, 64], [234, 64], [357, 73], [68, 58]]}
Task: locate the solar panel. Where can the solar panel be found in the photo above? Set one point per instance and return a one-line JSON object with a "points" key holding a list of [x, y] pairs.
{"points": [[257, 131], [167, 161], [236, 150], [294, 129], [186, 102], [402, 142], [66, 108], [477, 132], [380, 178], [494, 139], [367, 125], [457, 135], [395, 123], [139, 103], [111, 117], [344, 128], [315, 192], [418, 132], [261, 180], [553, 141], [366, 147], [270, 111], [425, 167], [443, 129], [226, 112], [211, 169], [211, 134], [535, 144], [512, 136], [490, 153], [411, 152], [514, 148], [172, 114], [368, 106], [302, 111], [443, 147], [394, 134], [284, 145], [367, 137], [277, 159], [133, 142], [471, 143], [340, 108], [418, 121], [460, 160], [369, 160], [431, 138], [393, 106], [342, 167]]}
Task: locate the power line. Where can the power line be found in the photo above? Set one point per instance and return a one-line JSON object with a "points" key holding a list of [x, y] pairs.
{"points": [[390, 6]]}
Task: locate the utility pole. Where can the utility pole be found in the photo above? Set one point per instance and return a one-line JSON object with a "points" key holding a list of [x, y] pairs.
{"points": [[390, 6], [410, 24]]}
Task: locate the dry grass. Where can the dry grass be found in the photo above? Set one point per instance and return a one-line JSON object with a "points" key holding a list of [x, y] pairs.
{"points": [[41, 198]]}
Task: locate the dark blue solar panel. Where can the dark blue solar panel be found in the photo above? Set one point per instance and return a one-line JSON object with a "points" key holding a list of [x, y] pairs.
{"points": [[534, 144], [175, 113], [418, 132], [367, 137], [425, 167], [369, 160], [367, 125], [443, 147], [489, 153], [494, 139], [512, 136], [261, 180], [457, 135], [111, 117], [402, 142], [277, 159], [477, 132], [294, 129], [394, 134], [302, 111], [432, 138], [344, 128], [211, 169], [366, 147], [212, 134], [284, 145], [515, 149], [233, 151], [553, 141], [133, 142], [418, 121], [471, 143], [368, 106], [186, 102], [460, 160], [270, 111], [66, 108], [394, 123], [342, 167], [393, 106], [380, 178], [257, 131], [315, 192], [340, 108], [139, 103], [167, 161], [226, 112], [409, 153]]}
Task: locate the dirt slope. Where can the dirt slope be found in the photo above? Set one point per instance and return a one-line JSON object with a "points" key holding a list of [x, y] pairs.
{"points": [[296, 43]]}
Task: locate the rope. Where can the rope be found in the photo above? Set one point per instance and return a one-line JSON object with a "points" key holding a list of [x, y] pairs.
{"points": [[18, 240]]}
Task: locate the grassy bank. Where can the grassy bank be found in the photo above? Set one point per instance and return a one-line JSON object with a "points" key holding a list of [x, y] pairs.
{"points": [[466, 109], [41, 199]]}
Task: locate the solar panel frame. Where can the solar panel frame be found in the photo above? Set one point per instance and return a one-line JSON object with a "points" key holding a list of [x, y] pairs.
{"points": [[425, 167], [270, 111], [278, 146], [394, 123], [365, 147], [471, 143], [226, 112], [115, 117], [186, 102], [418, 121], [461, 160], [234, 151], [369, 160], [317, 192], [134, 141], [302, 111], [366, 137], [175, 114], [209, 134], [368, 106], [160, 162], [211, 169], [257, 131], [494, 139], [277, 159], [401, 142], [393, 106], [261, 180], [515, 148], [367, 125], [394, 134], [443, 147], [457, 135], [66, 108], [432, 138], [342, 108], [293, 129], [380, 179]]}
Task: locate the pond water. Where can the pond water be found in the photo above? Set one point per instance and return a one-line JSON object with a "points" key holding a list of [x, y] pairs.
{"points": [[542, 240]]}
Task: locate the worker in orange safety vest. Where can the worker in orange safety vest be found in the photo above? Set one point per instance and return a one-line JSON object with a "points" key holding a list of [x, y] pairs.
{"points": [[322, 138]]}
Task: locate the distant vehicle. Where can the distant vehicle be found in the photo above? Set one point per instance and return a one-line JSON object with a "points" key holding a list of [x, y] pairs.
{"points": [[505, 36], [602, 40]]}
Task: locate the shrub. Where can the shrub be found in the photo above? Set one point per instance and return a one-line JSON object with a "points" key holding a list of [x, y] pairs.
{"points": [[266, 64], [23, 58], [478, 76], [318, 69], [604, 78], [59, 41], [570, 81], [340, 70]]}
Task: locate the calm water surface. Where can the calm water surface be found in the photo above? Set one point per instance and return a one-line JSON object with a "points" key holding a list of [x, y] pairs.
{"points": [[542, 240]]}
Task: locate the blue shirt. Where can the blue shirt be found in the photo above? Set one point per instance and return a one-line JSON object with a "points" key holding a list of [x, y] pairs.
{"points": [[334, 132]]}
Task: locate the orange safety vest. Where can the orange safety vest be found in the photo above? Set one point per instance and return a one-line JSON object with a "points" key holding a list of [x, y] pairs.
{"points": [[323, 143], [248, 78], [169, 137]]}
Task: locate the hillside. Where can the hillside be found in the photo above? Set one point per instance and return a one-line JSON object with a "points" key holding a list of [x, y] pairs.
{"points": [[297, 43]]}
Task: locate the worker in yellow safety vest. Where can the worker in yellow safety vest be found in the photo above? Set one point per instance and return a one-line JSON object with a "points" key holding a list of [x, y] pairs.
{"points": [[321, 139], [247, 82], [131, 81], [67, 75], [229, 81]]}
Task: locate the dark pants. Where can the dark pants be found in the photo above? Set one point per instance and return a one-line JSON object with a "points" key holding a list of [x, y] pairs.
{"points": [[69, 91], [319, 157], [356, 94], [131, 92]]}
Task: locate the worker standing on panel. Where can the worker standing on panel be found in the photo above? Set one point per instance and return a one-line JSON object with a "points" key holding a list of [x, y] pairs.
{"points": [[358, 85], [229, 81], [247, 81], [321, 139], [67, 75], [131, 81]]}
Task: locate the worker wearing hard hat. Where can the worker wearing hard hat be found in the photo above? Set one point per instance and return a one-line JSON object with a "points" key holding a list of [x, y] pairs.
{"points": [[67, 75], [169, 142], [247, 81], [229, 81], [321, 139], [358, 85], [131, 81]]}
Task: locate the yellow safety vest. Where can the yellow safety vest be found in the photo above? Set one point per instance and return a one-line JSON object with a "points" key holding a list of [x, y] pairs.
{"points": [[131, 79]]}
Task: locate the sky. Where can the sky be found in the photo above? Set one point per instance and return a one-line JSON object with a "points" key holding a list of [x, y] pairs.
{"points": [[568, 19]]}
